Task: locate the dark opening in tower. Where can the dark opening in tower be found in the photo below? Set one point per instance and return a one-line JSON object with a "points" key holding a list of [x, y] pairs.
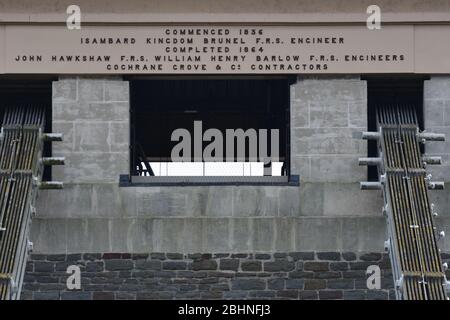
{"points": [[21, 92], [212, 126], [389, 92]]}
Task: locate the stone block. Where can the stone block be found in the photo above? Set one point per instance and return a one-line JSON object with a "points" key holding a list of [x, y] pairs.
{"points": [[49, 235], [263, 233], [64, 90], [86, 167], [315, 284], [248, 284], [67, 145], [295, 284], [354, 295], [72, 201], [118, 264], [251, 265], [80, 111], [208, 201], [229, 264], [316, 266], [251, 201], [341, 284], [43, 295], [349, 256], [301, 165], [91, 89], [331, 89], [117, 91], [161, 202], [337, 169], [330, 294], [204, 265], [92, 137], [278, 266], [438, 87], [328, 114], [76, 295], [346, 199], [276, 284], [287, 294], [327, 141], [174, 265], [308, 230], [302, 255], [357, 114], [217, 234], [338, 266], [370, 256], [308, 295], [163, 231], [285, 234], [434, 113], [119, 136], [335, 256], [377, 295], [299, 114], [289, 201]]}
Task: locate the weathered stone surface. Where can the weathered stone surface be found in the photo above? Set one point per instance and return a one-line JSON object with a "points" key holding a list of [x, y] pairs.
{"points": [[330, 294], [117, 265], [41, 266], [308, 295], [302, 255], [373, 256], [354, 295], [46, 295], [229, 264], [116, 91], [316, 266], [377, 295], [301, 274], [276, 284], [210, 276], [341, 283], [329, 256], [174, 265], [294, 284], [287, 294], [349, 256], [65, 90], [338, 266], [251, 266], [262, 256], [148, 265], [174, 256], [315, 284], [76, 295], [279, 265], [248, 284], [204, 265]]}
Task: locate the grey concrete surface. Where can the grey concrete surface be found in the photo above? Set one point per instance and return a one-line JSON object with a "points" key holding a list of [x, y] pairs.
{"points": [[327, 211], [325, 114]]}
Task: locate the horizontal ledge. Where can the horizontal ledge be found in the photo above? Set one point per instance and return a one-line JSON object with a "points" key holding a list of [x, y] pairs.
{"points": [[147, 181], [248, 16]]}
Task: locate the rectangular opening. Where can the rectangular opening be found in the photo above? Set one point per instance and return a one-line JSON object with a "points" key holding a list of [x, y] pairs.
{"points": [[29, 92], [210, 129], [391, 91]]}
